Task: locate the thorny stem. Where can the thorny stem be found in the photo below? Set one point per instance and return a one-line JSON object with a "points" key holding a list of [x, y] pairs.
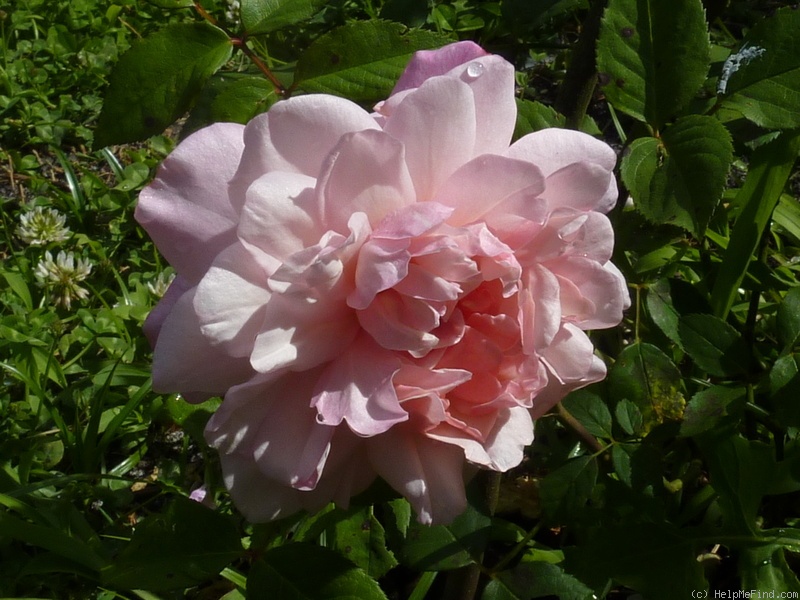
{"points": [[241, 44], [581, 77]]}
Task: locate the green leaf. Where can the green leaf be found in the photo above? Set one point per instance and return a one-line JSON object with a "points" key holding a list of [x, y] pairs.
{"points": [[361, 60], [357, 535], [709, 407], [647, 377], [156, 81], [652, 56], [784, 383], [530, 580], [629, 417], [714, 345], [679, 179], [788, 319], [530, 14], [176, 549], [444, 547], [565, 491], [741, 471], [764, 75], [263, 16], [655, 559], [534, 116], [230, 98], [668, 299], [302, 571], [764, 568], [770, 167], [17, 283], [787, 217], [413, 13], [588, 408]]}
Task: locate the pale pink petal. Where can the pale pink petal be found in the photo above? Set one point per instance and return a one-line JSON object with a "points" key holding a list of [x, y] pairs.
{"points": [[357, 388], [296, 135], [556, 390], [592, 297], [583, 186], [435, 147], [540, 309], [186, 209], [570, 356], [476, 188], [572, 233], [366, 172], [491, 79], [554, 149], [280, 214], [231, 299], [300, 335], [430, 63], [270, 418], [398, 322], [155, 320], [382, 264], [184, 361], [504, 445], [430, 474]]}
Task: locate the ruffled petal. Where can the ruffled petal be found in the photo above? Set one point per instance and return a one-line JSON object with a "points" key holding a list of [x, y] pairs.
{"points": [[366, 172], [431, 63], [357, 387], [280, 214], [295, 135], [435, 147], [430, 474], [186, 209], [554, 149], [477, 187], [583, 186], [184, 361], [231, 300]]}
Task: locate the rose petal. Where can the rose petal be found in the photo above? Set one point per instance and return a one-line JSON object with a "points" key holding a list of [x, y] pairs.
{"points": [[430, 63], [430, 474], [186, 209], [366, 172], [357, 387], [296, 136]]}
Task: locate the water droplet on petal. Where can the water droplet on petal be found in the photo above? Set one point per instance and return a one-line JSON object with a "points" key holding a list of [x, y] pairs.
{"points": [[474, 70]]}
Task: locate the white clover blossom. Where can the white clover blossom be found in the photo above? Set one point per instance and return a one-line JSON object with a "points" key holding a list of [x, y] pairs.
{"points": [[41, 226], [735, 62], [158, 287], [62, 276], [233, 11]]}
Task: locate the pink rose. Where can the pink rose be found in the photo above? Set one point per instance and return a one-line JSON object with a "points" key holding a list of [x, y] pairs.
{"points": [[395, 294]]}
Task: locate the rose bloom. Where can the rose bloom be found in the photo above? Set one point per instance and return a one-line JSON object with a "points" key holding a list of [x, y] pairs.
{"points": [[396, 294]]}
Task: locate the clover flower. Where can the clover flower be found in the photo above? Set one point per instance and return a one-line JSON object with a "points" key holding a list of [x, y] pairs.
{"points": [[158, 287], [62, 276], [396, 294], [41, 226]]}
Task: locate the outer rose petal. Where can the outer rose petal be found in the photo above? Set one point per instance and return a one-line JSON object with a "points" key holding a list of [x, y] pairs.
{"points": [[269, 418], [295, 135], [430, 63], [554, 149], [155, 320], [186, 209], [184, 361], [231, 299], [429, 474], [504, 445]]}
